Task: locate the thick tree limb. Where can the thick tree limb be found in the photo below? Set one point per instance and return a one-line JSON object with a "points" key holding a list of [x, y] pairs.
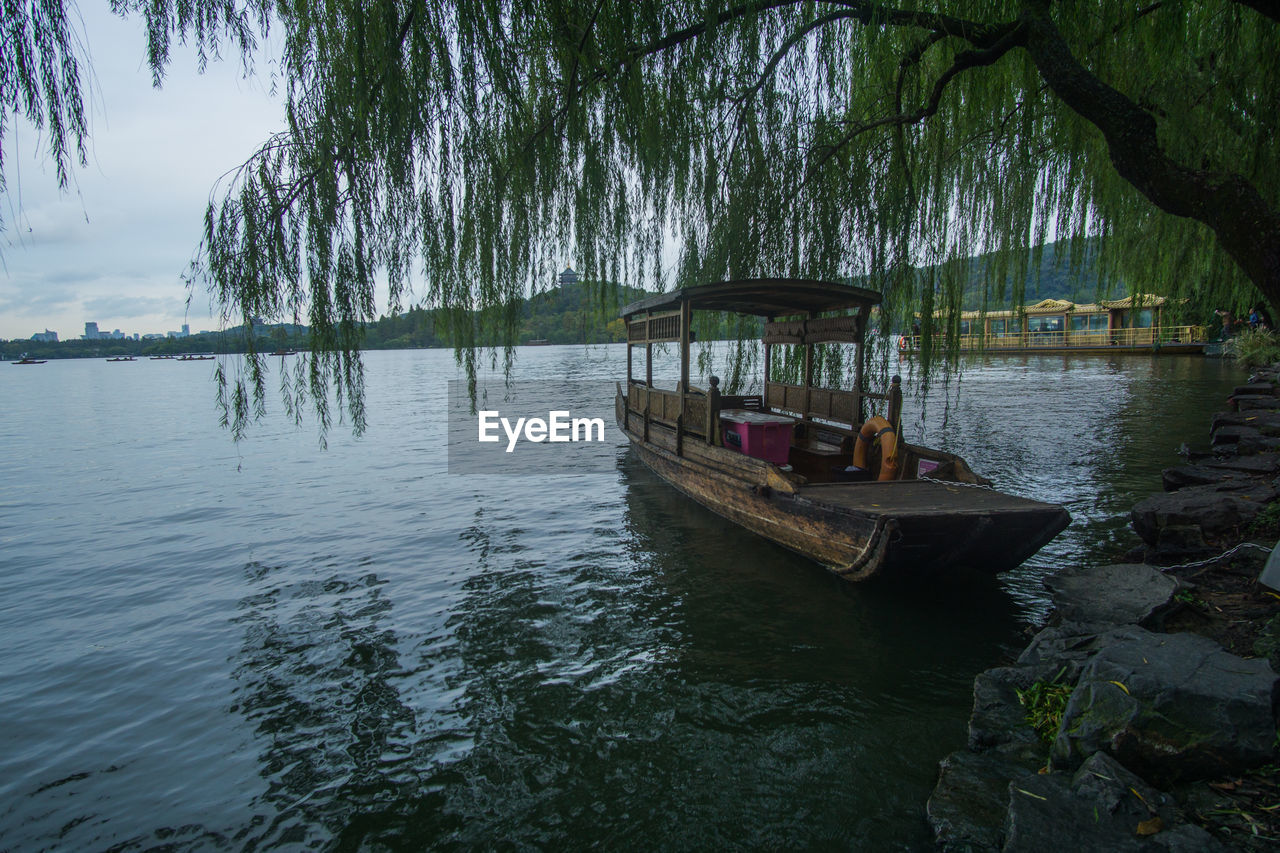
{"points": [[1246, 224]]}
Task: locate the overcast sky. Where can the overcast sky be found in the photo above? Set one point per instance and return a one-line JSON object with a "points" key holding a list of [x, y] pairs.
{"points": [[113, 248]]}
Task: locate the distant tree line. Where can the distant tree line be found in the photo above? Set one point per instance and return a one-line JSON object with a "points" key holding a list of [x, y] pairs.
{"points": [[566, 314]]}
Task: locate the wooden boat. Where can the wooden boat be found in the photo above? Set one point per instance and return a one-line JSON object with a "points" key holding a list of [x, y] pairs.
{"points": [[1051, 326], [196, 358], [777, 463], [26, 360], [126, 358]]}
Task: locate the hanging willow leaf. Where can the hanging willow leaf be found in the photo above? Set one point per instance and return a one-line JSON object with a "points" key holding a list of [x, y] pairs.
{"points": [[460, 152]]}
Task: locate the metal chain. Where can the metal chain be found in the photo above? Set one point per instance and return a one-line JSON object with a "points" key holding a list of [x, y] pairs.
{"points": [[1222, 556]]}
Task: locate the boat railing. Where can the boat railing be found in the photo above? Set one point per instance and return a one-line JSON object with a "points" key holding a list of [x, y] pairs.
{"points": [[1148, 337], [689, 411], [843, 407], [697, 412]]}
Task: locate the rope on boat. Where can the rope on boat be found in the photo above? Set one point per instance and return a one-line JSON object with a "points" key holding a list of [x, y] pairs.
{"points": [[1222, 556], [956, 483]]}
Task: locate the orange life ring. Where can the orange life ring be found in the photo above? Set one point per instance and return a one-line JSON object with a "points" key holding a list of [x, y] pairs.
{"points": [[878, 427], [902, 343]]}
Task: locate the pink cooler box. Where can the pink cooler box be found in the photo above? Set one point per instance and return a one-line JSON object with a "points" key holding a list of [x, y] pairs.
{"points": [[758, 434]]}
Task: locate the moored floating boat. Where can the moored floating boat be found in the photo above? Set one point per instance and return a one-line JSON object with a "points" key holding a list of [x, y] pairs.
{"points": [[26, 360], [798, 464], [1135, 324]]}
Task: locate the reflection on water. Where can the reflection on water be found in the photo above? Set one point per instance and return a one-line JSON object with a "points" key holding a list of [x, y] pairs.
{"points": [[315, 678], [274, 647]]}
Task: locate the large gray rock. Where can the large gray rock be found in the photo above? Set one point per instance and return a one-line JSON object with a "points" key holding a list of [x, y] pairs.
{"points": [[1234, 435], [1251, 445], [1197, 516], [1117, 594], [1265, 465], [1183, 476], [999, 722], [1253, 402], [1170, 707], [1268, 422], [968, 807], [1103, 807]]}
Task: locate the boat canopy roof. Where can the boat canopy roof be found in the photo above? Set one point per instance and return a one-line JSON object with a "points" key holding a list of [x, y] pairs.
{"points": [[763, 297]]}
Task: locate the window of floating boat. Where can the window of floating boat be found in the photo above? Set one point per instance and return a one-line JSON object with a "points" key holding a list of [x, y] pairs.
{"points": [[1002, 327], [965, 327], [1144, 319], [1089, 322], [1050, 323]]}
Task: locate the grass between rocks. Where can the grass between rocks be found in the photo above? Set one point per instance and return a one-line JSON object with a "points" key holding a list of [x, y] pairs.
{"points": [[1046, 701]]}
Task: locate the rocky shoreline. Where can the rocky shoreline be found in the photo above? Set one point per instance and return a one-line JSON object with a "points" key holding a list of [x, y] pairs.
{"points": [[1143, 716]]}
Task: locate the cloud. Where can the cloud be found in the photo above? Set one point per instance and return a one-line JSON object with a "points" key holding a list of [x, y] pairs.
{"points": [[133, 306], [114, 247]]}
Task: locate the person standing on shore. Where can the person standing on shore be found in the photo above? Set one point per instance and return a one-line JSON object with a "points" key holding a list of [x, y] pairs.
{"points": [[1227, 320]]}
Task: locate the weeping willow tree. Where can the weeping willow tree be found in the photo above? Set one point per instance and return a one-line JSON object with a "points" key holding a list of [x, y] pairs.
{"points": [[472, 146]]}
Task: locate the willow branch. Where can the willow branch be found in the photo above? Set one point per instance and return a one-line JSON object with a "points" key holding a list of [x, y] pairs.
{"points": [[964, 61]]}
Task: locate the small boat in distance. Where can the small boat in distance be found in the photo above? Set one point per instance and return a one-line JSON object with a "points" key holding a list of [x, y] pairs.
{"points": [[28, 360], [798, 463], [125, 358], [195, 358], [1135, 324]]}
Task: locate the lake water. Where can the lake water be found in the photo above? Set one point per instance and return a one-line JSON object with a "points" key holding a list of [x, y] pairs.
{"points": [[219, 646]]}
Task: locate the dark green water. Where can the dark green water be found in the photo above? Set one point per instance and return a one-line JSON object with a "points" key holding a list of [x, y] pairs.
{"points": [[270, 646]]}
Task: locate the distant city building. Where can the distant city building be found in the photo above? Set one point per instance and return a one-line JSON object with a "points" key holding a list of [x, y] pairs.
{"points": [[91, 332], [46, 337], [185, 333], [568, 277], [153, 336]]}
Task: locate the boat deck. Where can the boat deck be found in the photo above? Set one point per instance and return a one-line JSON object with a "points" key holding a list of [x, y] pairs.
{"points": [[918, 498], [940, 526]]}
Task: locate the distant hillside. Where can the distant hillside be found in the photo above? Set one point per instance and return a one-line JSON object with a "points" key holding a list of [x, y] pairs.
{"points": [[1052, 278], [568, 313]]}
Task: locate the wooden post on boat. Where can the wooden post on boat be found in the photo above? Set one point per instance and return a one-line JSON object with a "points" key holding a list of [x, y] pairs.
{"points": [[860, 355], [686, 316], [648, 373], [808, 366], [713, 411], [768, 351], [895, 406]]}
